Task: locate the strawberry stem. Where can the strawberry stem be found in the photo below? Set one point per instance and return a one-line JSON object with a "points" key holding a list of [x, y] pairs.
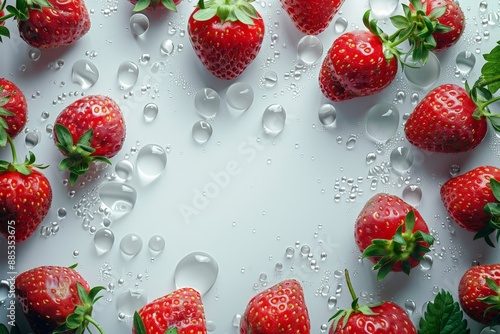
{"points": [[93, 322], [349, 285]]}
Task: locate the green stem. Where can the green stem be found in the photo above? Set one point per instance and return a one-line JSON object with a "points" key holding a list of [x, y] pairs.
{"points": [[93, 322], [13, 150], [484, 83], [404, 38], [484, 105], [6, 17], [349, 285]]}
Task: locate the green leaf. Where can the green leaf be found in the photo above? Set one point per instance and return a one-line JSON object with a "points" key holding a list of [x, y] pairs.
{"points": [[491, 69], [169, 4], [64, 136], [437, 12], [443, 316], [3, 329], [205, 14], [495, 188], [172, 330], [139, 324], [400, 22], [141, 5]]}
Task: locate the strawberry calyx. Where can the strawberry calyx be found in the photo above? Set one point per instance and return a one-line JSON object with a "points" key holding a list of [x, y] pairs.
{"points": [[141, 329], [492, 209], [404, 246], [143, 4], [355, 307], [227, 11], [4, 113], [24, 167], [78, 156], [81, 317], [493, 300]]}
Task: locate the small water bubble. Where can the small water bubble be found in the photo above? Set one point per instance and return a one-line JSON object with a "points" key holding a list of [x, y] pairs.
{"points": [[31, 139], [426, 263], [150, 112], [423, 76], [167, 47], [414, 98], [493, 18], [131, 245], [270, 79], [239, 96], [483, 6], [382, 122], [289, 252], [370, 158], [402, 159], [207, 102], [351, 142], [118, 198], [305, 250], [412, 194], [128, 73], [139, 24], [151, 162], [124, 169], [156, 244], [76, 253], [145, 58], [202, 131], [273, 119], [59, 63], [236, 320], [382, 9], [104, 239], [84, 73], [410, 306], [340, 25], [465, 61], [327, 115], [61, 213], [197, 270], [454, 170], [34, 54], [309, 49], [332, 302], [278, 267]]}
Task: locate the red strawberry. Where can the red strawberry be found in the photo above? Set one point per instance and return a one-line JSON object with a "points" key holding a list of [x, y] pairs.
{"points": [[13, 110], [140, 5], [444, 121], [471, 200], [356, 66], [311, 16], [57, 24], [384, 317], [179, 312], [479, 293], [26, 197], [90, 129], [49, 294], [226, 40], [279, 309], [392, 234]]}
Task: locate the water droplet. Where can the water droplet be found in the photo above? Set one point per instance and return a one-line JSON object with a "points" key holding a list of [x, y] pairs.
{"points": [[412, 194], [139, 24], [207, 102], [483, 6], [351, 142], [84, 73], [327, 115], [34, 54], [401, 159], [31, 139], [124, 169], [202, 131], [382, 122], [340, 25], [490, 330], [370, 158], [145, 58], [103, 240], [426, 263], [197, 270], [270, 79], [4, 290], [131, 301], [410, 306], [131, 245], [273, 119], [465, 61], [167, 47], [156, 244], [128, 72], [305, 250], [332, 302], [493, 18], [239, 96], [454, 170], [118, 198], [423, 76], [76, 253], [382, 9], [414, 98], [289, 252], [236, 320], [309, 49], [150, 112], [151, 162]]}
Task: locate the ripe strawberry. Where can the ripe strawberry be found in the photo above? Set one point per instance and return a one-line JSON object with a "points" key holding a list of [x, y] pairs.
{"points": [[384, 317], [472, 199], [279, 309], [141, 5], [179, 312], [58, 23], [311, 16], [26, 197], [56, 300], [479, 293], [444, 121], [13, 110], [392, 234], [226, 36], [90, 129]]}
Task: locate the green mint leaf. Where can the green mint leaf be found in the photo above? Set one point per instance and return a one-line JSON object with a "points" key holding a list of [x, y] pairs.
{"points": [[443, 316], [491, 69]]}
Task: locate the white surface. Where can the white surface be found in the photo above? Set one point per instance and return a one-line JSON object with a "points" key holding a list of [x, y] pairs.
{"points": [[273, 192]]}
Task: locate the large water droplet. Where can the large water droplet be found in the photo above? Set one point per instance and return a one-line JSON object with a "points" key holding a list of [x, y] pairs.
{"points": [[207, 102], [128, 72], [465, 61], [84, 73], [273, 119], [156, 244], [32, 139], [412, 194], [34, 54], [426, 263], [410, 306], [150, 112], [490, 330], [239, 96], [131, 245], [332, 302], [340, 25], [202, 131], [119, 198], [423, 76], [382, 9], [327, 115], [167, 47], [104, 239], [139, 24], [131, 301], [401, 159], [197, 270], [124, 169], [151, 162], [382, 122], [309, 49]]}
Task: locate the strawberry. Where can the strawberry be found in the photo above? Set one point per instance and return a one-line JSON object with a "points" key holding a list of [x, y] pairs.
{"points": [[226, 35], [472, 200], [479, 293], [57, 23], [90, 129], [13, 110], [392, 234], [26, 197], [56, 300], [443, 121], [140, 5], [179, 312], [384, 317], [279, 309], [311, 16]]}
